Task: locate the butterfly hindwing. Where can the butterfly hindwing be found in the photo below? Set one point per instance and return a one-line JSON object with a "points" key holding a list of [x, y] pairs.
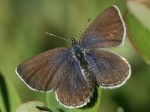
{"points": [[111, 70], [107, 30], [43, 72], [74, 91]]}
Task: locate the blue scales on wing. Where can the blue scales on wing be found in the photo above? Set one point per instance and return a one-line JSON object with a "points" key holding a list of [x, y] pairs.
{"points": [[74, 91], [44, 71], [110, 69]]}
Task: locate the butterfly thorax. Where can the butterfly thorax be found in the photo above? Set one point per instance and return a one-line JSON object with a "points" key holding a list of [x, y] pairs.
{"points": [[77, 50]]}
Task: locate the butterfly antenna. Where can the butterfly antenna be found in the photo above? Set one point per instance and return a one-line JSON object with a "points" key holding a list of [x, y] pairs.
{"points": [[57, 36], [83, 28]]}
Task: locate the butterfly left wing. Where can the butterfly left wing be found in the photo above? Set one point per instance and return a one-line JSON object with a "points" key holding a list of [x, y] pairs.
{"points": [[44, 71], [111, 70], [107, 30], [74, 91]]}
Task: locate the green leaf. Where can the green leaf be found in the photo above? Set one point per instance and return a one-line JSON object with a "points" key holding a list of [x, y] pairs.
{"points": [[43, 108], [92, 106], [9, 98], [30, 106], [139, 36], [141, 11]]}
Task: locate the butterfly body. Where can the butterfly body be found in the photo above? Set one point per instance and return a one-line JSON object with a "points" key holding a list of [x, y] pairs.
{"points": [[74, 72]]}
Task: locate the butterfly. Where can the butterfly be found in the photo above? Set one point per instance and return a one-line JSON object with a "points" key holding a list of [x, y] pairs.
{"points": [[72, 73]]}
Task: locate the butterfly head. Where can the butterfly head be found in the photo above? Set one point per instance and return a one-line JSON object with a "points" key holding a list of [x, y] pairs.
{"points": [[73, 41], [75, 45]]}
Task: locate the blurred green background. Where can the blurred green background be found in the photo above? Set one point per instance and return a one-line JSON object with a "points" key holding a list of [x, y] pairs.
{"points": [[23, 24]]}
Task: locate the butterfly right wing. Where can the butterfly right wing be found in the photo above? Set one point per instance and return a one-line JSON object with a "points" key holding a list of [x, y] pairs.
{"points": [[107, 30], [43, 72], [110, 69]]}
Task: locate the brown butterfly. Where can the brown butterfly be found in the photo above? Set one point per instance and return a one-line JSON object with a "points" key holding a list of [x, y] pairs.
{"points": [[74, 72]]}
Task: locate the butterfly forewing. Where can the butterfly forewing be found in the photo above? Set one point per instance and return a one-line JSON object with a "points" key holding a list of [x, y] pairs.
{"points": [[107, 30], [74, 91], [44, 71], [111, 70]]}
